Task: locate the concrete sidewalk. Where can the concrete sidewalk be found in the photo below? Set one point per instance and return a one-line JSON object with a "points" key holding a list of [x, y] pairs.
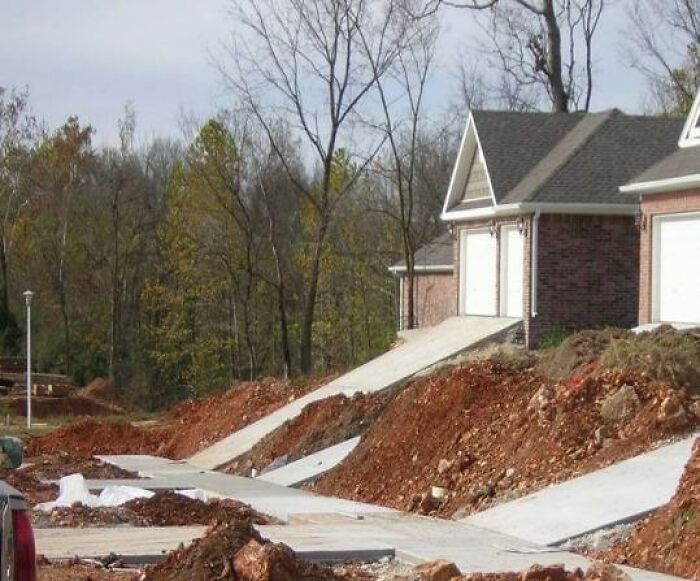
{"points": [[312, 466], [324, 527], [620, 493], [432, 346]]}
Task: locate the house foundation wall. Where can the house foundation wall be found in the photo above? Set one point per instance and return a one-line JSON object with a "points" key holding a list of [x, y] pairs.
{"points": [[658, 205]]}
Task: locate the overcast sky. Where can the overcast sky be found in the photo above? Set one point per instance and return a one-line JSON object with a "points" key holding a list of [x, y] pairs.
{"points": [[89, 57]]}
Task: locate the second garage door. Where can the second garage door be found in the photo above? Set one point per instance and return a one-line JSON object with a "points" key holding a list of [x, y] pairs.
{"points": [[478, 273], [676, 269]]}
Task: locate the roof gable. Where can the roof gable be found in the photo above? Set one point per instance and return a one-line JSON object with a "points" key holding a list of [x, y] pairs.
{"points": [[691, 131]]}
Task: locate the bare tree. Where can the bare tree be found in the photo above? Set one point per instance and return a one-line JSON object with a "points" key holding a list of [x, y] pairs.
{"points": [[303, 60], [536, 46], [665, 39], [402, 126]]}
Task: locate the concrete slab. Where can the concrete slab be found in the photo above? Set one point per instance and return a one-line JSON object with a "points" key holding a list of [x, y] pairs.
{"points": [[138, 545], [311, 467], [620, 493], [147, 466], [434, 345]]}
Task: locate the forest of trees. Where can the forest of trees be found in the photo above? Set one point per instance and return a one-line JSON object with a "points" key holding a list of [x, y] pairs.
{"points": [[258, 243]]}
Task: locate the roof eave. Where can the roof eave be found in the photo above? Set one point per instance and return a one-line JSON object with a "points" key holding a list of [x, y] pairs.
{"points": [[504, 210], [434, 268], [662, 186]]}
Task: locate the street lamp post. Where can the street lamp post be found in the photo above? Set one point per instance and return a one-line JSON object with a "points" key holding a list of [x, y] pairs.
{"points": [[28, 299]]}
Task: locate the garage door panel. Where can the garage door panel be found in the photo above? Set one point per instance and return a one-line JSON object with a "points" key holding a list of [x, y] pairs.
{"points": [[676, 266], [512, 256], [478, 273]]}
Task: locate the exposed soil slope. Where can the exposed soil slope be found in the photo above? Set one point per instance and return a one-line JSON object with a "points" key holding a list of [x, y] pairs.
{"points": [[485, 432], [321, 424], [186, 429], [669, 540]]}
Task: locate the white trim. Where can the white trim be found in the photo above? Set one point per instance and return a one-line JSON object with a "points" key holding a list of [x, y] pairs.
{"points": [[656, 259], [691, 131], [454, 194], [545, 208], [661, 186], [427, 268]]}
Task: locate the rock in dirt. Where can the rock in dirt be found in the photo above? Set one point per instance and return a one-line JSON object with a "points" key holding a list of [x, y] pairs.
{"points": [[263, 562], [672, 412], [621, 405], [439, 570], [596, 572]]}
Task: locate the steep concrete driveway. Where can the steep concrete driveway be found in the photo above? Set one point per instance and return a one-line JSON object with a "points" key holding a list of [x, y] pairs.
{"points": [[619, 493], [428, 348]]}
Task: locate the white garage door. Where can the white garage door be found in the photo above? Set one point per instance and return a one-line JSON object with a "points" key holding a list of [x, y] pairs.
{"points": [[478, 273], [676, 269], [511, 272]]}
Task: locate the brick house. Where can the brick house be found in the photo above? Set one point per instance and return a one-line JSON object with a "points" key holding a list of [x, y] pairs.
{"points": [[540, 231], [669, 218]]}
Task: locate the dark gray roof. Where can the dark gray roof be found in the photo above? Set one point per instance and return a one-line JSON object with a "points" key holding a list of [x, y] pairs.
{"points": [[514, 142], [437, 253], [570, 157], [681, 163]]}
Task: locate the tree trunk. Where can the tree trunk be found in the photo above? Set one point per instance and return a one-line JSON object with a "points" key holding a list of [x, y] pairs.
{"points": [[560, 98], [310, 301]]}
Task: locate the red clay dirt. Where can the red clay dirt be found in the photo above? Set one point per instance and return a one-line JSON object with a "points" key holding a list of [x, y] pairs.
{"points": [[487, 433], [55, 466], [596, 572], [320, 425], [34, 490], [668, 541], [235, 550]]}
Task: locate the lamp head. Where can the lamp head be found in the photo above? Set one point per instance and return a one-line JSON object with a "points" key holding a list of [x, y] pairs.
{"points": [[28, 296]]}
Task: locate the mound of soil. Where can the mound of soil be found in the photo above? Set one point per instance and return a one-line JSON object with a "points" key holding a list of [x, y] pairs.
{"points": [[486, 433], [320, 425], [102, 390], [86, 437], [199, 423], [72, 405], [55, 466], [81, 571], [668, 541], [596, 572], [81, 516], [170, 509], [235, 550], [577, 351], [34, 490]]}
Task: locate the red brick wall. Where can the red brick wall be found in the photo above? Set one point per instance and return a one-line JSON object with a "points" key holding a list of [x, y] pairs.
{"points": [[655, 205], [588, 274], [435, 299]]}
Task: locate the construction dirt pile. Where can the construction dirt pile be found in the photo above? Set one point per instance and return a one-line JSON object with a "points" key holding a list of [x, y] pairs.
{"points": [[55, 466], [33, 489], [320, 425], [668, 541], [235, 550], [596, 572], [88, 436], [665, 354], [163, 509], [76, 570], [71, 405], [464, 439]]}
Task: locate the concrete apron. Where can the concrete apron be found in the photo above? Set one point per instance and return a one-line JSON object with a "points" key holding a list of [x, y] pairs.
{"points": [[329, 528], [432, 346]]}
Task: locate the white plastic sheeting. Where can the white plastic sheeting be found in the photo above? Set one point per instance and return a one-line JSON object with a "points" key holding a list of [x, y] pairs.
{"points": [[72, 489]]}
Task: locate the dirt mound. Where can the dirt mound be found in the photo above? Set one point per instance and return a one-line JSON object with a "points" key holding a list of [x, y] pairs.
{"points": [[235, 550], [87, 437], [34, 490], [199, 423], [55, 466], [484, 433], [668, 541], [80, 571], [170, 509], [665, 354], [104, 391], [596, 572], [321, 424], [577, 351], [72, 405], [81, 516]]}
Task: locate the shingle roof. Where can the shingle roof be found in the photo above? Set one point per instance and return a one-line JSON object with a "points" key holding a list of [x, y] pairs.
{"points": [[570, 157], [681, 163], [437, 253]]}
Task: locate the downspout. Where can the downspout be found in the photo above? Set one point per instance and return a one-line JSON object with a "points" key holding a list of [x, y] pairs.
{"points": [[533, 263]]}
